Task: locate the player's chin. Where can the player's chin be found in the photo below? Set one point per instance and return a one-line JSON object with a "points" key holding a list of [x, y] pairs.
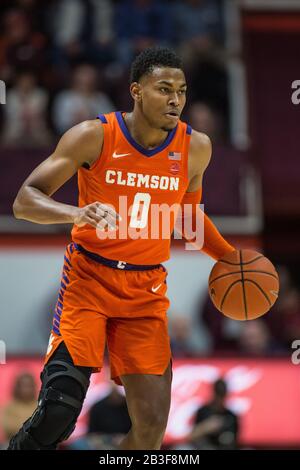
{"points": [[170, 122], [169, 126]]}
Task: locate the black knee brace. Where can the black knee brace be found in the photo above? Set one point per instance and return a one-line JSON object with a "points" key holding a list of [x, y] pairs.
{"points": [[59, 404]]}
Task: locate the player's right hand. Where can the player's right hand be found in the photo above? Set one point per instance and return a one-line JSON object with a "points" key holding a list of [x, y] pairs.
{"points": [[98, 215]]}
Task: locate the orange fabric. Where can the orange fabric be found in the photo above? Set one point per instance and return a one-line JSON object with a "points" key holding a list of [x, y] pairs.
{"points": [[115, 174], [98, 304], [214, 244]]}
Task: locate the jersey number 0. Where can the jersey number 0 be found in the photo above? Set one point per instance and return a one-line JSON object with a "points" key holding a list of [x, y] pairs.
{"points": [[140, 210]]}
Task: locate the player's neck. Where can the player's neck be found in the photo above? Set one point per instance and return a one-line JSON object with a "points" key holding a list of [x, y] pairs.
{"points": [[142, 132]]}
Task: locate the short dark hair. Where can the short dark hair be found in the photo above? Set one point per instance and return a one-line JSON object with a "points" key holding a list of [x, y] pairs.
{"points": [[152, 57]]}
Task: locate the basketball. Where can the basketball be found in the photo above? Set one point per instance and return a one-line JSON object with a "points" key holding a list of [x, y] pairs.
{"points": [[243, 285]]}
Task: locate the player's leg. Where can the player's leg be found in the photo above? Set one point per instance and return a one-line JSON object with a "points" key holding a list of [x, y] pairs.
{"points": [[64, 387], [148, 400], [140, 356]]}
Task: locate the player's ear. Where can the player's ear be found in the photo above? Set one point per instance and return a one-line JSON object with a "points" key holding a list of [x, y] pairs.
{"points": [[136, 91]]}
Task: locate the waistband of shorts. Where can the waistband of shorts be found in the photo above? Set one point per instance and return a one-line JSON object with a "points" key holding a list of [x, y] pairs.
{"points": [[116, 264]]}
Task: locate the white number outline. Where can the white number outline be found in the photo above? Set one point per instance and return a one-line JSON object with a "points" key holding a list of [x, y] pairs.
{"points": [[139, 198]]}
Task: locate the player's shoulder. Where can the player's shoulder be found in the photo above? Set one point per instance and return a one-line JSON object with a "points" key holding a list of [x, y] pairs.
{"points": [[88, 129], [85, 133], [83, 141], [200, 141]]}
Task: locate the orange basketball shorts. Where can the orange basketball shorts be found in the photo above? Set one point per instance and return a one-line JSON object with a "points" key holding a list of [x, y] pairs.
{"points": [[127, 310]]}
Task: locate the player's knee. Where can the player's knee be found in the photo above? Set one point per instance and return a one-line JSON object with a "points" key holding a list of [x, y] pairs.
{"points": [[60, 401], [150, 418], [150, 430]]}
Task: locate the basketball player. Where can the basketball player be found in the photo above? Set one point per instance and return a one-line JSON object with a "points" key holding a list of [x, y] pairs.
{"points": [[114, 290]]}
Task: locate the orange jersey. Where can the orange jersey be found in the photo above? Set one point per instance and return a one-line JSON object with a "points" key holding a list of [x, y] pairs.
{"points": [[136, 182]]}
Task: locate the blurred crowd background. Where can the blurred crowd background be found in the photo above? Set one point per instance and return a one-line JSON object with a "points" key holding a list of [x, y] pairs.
{"points": [[65, 61]]}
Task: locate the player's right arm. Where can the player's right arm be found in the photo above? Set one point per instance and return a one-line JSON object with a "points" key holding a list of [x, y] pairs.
{"points": [[80, 144]]}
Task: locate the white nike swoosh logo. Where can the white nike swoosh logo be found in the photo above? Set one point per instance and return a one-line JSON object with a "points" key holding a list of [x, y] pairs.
{"points": [[274, 292], [154, 289], [119, 155]]}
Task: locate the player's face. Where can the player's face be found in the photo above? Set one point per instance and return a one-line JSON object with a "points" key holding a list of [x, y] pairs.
{"points": [[163, 97]]}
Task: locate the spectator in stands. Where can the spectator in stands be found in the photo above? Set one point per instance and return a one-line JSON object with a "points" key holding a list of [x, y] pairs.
{"points": [[208, 83], [81, 31], [255, 339], [109, 417], [21, 406], [108, 422], [31, 8], [215, 427], [204, 118], [223, 331], [140, 24], [261, 337], [182, 340], [284, 318], [25, 113], [83, 101], [197, 27], [20, 46]]}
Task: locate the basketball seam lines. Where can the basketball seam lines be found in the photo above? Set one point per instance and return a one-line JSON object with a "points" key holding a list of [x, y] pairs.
{"points": [[227, 292], [237, 264], [243, 285], [238, 272], [262, 291]]}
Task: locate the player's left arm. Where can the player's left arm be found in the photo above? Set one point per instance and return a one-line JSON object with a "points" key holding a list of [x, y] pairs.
{"points": [[200, 153]]}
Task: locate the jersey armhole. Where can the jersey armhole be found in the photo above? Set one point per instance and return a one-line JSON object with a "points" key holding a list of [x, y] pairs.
{"points": [[188, 133], [104, 122]]}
